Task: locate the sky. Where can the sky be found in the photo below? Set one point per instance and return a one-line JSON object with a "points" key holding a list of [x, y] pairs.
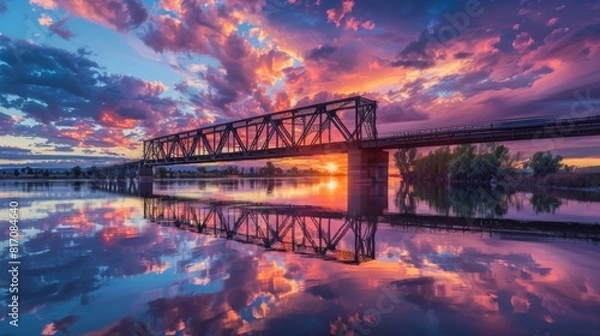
{"points": [[84, 81]]}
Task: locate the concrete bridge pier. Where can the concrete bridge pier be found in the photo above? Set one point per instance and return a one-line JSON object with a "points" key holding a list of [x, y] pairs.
{"points": [[366, 166], [145, 173], [146, 181], [367, 181]]}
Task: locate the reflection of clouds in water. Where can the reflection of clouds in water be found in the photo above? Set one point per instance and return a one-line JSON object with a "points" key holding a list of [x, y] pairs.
{"points": [[502, 278], [79, 247], [92, 254], [256, 287]]}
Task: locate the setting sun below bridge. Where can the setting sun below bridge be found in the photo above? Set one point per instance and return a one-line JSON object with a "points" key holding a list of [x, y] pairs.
{"points": [[331, 167]]}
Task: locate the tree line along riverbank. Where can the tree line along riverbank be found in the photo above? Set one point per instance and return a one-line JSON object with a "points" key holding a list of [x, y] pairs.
{"points": [[491, 164]]}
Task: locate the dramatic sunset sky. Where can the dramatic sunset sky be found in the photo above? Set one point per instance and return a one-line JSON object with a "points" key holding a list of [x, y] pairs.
{"points": [[89, 79]]}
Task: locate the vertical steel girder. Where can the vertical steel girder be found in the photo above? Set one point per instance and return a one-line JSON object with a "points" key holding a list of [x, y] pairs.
{"points": [[346, 121], [350, 239]]}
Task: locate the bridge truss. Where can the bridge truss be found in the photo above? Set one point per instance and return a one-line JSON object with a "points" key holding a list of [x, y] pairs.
{"points": [[318, 129]]}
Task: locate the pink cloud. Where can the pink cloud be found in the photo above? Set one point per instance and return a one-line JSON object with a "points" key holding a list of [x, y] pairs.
{"points": [[45, 20], [46, 4], [523, 41], [369, 25], [352, 23], [171, 5], [336, 15], [121, 15]]}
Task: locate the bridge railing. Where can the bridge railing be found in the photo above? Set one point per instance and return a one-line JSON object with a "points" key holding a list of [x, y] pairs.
{"points": [[498, 126]]}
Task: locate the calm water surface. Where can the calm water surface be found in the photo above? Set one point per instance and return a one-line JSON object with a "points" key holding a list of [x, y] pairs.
{"points": [[101, 263]]}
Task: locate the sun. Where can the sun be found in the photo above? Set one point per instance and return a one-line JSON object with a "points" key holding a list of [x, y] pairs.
{"points": [[331, 167]]}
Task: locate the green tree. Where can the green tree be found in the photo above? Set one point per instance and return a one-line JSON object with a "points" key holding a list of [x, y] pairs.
{"points": [[76, 171], [270, 169], [433, 166], [544, 163], [232, 170], [294, 171], [46, 173], [201, 170], [482, 163], [405, 160], [16, 173], [93, 171], [162, 172]]}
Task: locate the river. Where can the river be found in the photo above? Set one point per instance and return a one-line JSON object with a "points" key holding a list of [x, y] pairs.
{"points": [[292, 257]]}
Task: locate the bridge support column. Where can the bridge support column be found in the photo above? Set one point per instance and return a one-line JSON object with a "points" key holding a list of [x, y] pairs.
{"points": [[367, 181], [368, 166], [145, 173], [146, 181]]}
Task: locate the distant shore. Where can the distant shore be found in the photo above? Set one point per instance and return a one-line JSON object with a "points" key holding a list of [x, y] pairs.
{"points": [[562, 181], [84, 179]]}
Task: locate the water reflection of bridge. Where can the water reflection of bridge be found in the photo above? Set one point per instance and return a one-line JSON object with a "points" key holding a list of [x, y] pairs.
{"points": [[300, 230], [124, 187], [329, 234]]}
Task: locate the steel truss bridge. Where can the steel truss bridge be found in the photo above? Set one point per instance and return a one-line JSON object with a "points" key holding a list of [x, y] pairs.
{"points": [[318, 129], [336, 127], [341, 126]]}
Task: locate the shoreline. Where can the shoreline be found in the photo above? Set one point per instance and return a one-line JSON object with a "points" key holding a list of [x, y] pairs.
{"points": [[522, 186], [45, 179], [546, 186]]}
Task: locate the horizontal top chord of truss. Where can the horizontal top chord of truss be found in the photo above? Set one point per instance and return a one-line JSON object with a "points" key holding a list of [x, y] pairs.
{"points": [[321, 128]]}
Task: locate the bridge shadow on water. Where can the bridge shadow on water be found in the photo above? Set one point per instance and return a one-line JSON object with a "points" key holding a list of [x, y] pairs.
{"points": [[343, 236]]}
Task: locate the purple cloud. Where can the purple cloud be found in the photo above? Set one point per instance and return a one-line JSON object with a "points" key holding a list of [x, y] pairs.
{"points": [[55, 87]]}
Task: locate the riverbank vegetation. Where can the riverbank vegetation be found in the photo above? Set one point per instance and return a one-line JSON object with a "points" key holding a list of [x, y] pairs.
{"points": [[489, 163], [269, 170], [28, 173], [77, 173]]}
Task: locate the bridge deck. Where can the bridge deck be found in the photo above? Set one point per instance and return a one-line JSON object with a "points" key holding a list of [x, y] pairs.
{"points": [[493, 132]]}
